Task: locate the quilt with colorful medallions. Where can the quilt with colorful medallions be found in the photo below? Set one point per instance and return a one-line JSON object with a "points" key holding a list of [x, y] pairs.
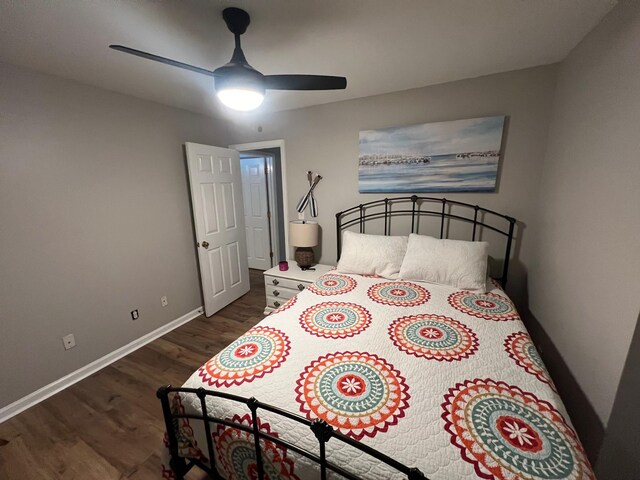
{"points": [[445, 380]]}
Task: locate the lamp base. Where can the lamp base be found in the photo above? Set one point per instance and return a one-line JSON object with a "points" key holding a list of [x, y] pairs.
{"points": [[304, 257]]}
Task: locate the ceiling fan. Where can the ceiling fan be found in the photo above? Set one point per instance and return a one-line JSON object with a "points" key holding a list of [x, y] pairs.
{"points": [[238, 85]]}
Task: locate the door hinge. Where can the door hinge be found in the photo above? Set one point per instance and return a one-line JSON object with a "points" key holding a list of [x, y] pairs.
{"points": [[271, 254], [269, 214]]}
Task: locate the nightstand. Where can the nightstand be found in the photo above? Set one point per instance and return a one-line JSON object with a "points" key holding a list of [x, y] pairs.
{"points": [[281, 286]]}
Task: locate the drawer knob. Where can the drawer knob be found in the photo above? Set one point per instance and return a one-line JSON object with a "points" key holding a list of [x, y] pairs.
{"points": [[276, 293], [275, 282], [276, 304], [300, 286]]}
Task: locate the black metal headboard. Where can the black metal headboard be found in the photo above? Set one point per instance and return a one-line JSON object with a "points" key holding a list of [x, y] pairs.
{"points": [[359, 214]]}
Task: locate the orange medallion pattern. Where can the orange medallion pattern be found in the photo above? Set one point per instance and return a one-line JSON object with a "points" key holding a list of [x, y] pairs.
{"points": [[507, 433], [335, 319], [286, 305], [522, 350], [488, 306], [237, 455], [399, 294], [358, 393], [332, 284], [254, 354], [434, 337]]}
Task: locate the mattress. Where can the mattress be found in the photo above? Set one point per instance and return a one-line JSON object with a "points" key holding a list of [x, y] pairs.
{"points": [[441, 379]]}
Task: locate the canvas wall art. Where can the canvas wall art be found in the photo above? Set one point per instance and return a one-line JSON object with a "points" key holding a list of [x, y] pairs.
{"points": [[457, 156]]}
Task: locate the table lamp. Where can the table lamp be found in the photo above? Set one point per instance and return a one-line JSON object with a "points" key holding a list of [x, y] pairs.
{"points": [[303, 235]]}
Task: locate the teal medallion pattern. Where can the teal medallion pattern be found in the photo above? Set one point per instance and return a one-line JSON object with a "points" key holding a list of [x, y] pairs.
{"points": [[522, 350], [399, 294], [507, 433], [358, 393], [256, 353], [434, 337], [332, 284], [237, 455], [335, 319], [488, 306]]}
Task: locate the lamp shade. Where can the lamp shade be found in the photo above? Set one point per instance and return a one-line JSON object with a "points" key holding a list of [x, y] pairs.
{"points": [[303, 233]]}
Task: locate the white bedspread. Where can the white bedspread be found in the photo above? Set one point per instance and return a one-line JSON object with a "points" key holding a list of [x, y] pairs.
{"points": [[441, 379]]}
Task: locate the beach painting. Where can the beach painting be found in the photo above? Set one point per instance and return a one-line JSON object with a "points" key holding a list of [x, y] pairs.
{"points": [[457, 156]]}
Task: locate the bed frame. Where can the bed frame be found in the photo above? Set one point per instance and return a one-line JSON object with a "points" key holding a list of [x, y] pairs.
{"points": [[320, 429], [379, 209], [416, 207]]}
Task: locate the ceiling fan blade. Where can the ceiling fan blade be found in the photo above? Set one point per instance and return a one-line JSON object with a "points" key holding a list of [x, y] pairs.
{"points": [[166, 61], [304, 82]]}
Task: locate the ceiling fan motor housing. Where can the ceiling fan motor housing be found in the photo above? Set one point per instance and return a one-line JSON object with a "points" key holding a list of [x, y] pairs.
{"points": [[237, 20], [239, 76]]}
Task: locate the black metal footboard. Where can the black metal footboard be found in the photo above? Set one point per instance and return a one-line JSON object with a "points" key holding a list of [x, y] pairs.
{"points": [[320, 429]]}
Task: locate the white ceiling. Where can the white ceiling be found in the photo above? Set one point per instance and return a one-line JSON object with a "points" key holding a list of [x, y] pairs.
{"points": [[380, 46]]}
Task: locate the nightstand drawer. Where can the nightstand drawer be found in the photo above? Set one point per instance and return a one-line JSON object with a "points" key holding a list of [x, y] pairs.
{"points": [[281, 285], [280, 282], [280, 292], [273, 302]]}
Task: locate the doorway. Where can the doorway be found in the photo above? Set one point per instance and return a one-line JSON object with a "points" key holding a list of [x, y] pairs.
{"points": [[264, 196], [257, 210]]}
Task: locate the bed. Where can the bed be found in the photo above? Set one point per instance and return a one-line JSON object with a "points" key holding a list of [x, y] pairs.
{"points": [[363, 377]]}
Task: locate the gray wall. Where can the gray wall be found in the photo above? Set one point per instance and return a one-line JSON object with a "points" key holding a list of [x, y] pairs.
{"points": [[94, 222], [325, 139], [619, 458], [93, 181], [585, 282]]}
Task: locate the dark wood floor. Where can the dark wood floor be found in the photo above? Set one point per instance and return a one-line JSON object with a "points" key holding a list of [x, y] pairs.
{"points": [[110, 425]]}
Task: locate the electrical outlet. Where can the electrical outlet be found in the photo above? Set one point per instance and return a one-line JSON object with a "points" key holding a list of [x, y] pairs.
{"points": [[69, 341], [134, 314], [164, 301]]}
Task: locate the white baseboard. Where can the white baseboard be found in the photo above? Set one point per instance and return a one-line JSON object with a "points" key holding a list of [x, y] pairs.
{"points": [[54, 387]]}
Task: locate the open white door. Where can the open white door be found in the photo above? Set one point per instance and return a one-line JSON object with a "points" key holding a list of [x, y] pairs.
{"points": [[216, 195], [256, 212]]}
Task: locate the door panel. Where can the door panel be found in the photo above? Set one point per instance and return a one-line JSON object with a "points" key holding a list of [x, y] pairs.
{"points": [[233, 250], [256, 208], [260, 243], [208, 192], [216, 270], [216, 195], [228, 197]]}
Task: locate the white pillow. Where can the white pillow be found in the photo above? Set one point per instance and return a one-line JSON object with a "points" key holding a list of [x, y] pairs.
{"points": [[446, 262], [372, 254]]}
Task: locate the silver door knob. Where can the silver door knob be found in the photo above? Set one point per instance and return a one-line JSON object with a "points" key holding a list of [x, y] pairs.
{"points": [[205, 244]]}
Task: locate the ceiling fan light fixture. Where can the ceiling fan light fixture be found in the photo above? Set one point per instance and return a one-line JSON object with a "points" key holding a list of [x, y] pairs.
{"points": [[241, 99], [238, 85]]}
